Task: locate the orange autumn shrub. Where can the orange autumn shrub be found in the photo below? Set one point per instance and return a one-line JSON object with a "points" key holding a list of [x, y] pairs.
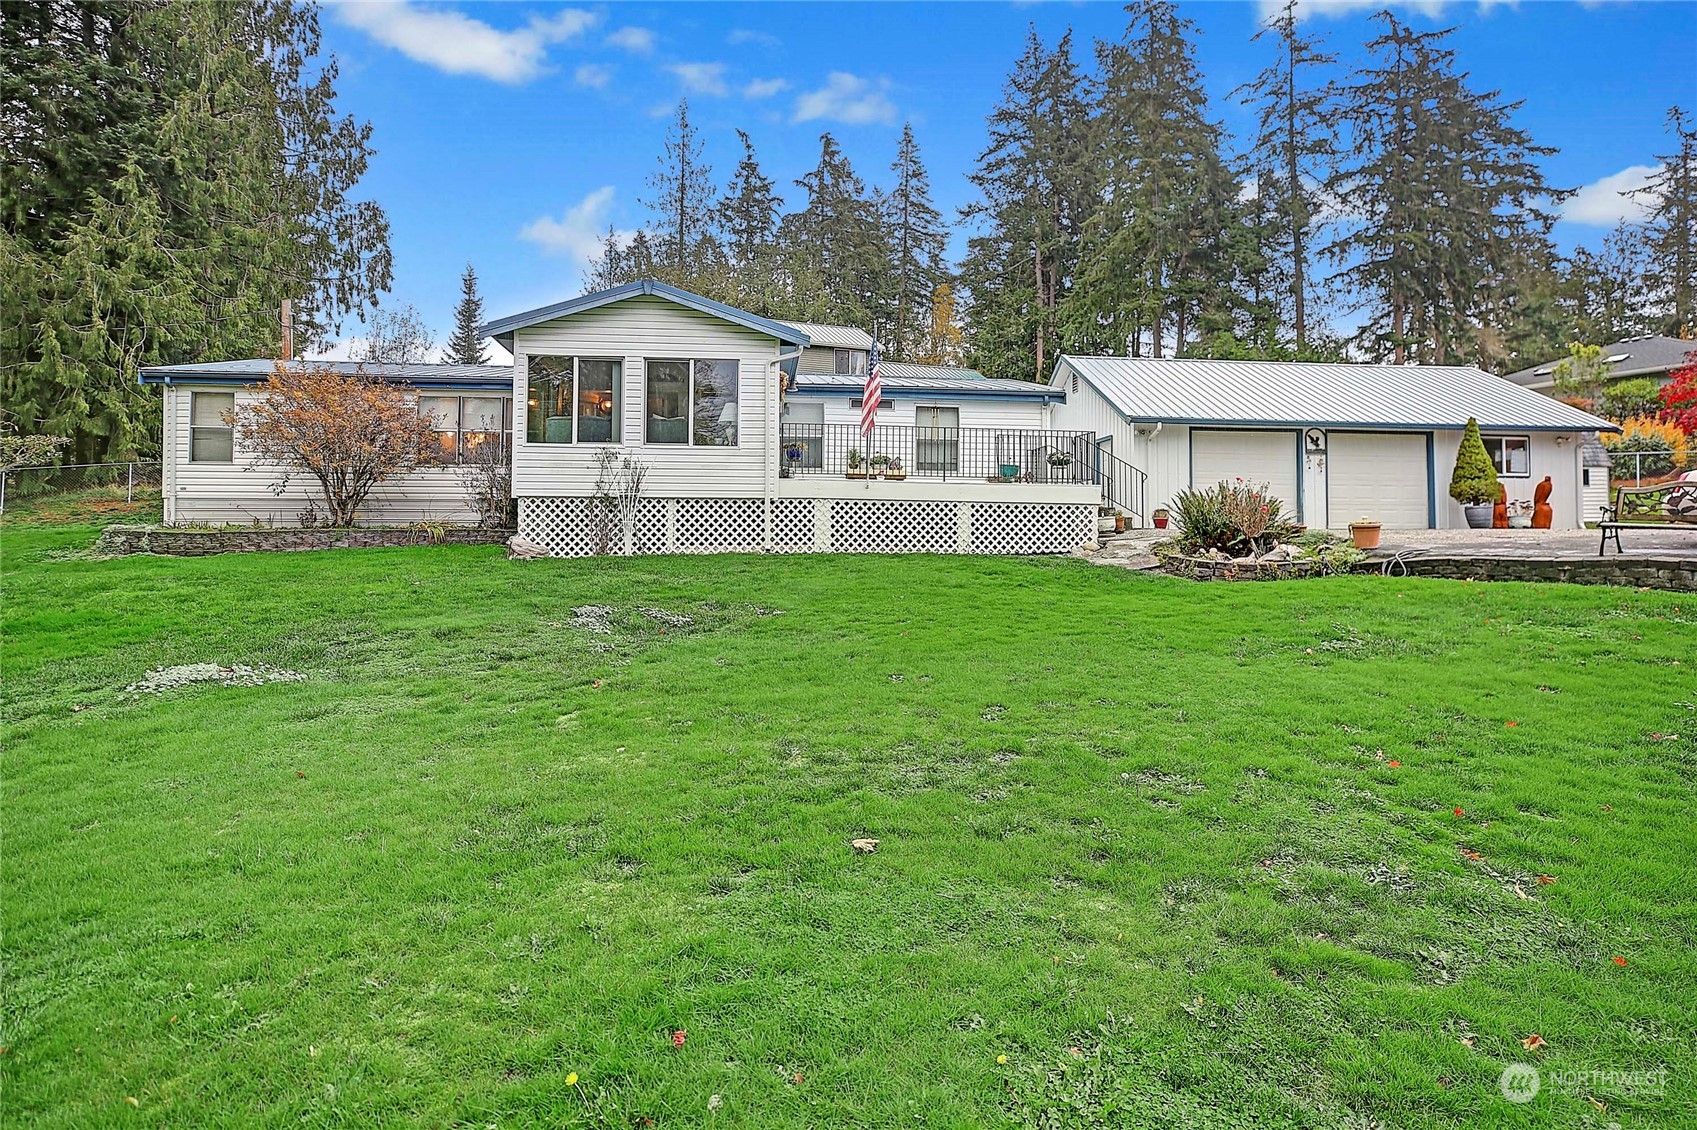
{"points": [[348, 431], [1663, 448]]}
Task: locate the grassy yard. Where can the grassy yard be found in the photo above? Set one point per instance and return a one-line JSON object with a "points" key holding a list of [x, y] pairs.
{"points": [[1192, 855]]}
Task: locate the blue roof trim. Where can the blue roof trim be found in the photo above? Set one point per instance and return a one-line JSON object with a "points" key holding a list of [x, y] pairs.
{"points": [[1351, 425], [913, 393], [787, 334], [229, 380]]}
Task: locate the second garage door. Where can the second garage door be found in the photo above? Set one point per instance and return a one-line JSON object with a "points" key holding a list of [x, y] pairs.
{"points": [[1379, 475], [1254, 457]]}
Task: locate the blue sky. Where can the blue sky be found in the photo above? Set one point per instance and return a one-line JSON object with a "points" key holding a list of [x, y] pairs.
{"points": [[510, 135]]}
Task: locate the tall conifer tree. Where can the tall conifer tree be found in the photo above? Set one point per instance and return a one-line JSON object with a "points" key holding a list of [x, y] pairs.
{"points": [[465, 347]]}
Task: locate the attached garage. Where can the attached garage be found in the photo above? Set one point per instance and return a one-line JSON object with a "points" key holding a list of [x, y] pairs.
{"points": [[1379, 475], [1254, 456], [1334, 441]]}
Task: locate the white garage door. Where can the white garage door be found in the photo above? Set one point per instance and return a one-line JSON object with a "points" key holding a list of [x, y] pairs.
{"points": [[1380, 475], [1254, 457]]}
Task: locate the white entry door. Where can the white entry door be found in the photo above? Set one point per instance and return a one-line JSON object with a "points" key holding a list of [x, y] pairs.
{"points": [[1378, 475], [1255, 457]]}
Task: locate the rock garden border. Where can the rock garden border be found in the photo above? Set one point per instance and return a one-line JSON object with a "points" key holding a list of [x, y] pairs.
{"points": [[191, 541]]}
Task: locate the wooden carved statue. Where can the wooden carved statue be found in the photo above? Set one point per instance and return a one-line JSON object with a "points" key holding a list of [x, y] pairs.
{"points": [[1499, 512], [1542, 514]]}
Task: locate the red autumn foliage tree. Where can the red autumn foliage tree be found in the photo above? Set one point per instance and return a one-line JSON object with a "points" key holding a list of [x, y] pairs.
{"points": [[349, 431], [1679, 396]]}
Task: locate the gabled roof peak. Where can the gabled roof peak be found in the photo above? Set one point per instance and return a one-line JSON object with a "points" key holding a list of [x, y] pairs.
{"points": [[502, 329]]}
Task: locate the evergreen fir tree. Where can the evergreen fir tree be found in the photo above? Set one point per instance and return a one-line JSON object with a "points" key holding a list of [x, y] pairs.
{"points": [[1671, 229], [1294, 154], [1161, 258], [748, 212], [1474, 480], [173, 172], [1447, 194], [681, 200], [838, 238], [1038, 181], [465, 347], [918, 243]]}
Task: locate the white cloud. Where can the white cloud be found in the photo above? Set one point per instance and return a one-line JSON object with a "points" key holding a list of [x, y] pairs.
{"points": [[636, 40], [765, 87], [701, 78], [594, 75], [460, 45], [849, 99], [1308, 8], [758, 38], [1601, 204], [578, 234]]}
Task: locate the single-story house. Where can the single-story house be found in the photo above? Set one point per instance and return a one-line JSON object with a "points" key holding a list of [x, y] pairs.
{"points": [[1653, 355], [1336, 442], [698, 391], [749, 432], [208, 478]]}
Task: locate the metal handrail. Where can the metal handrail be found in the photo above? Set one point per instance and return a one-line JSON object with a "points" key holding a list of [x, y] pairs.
{"points": [[1026, 455]]}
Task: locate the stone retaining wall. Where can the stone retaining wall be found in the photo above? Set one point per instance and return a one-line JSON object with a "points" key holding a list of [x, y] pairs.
{"points": [[1676, 573], [118, 541]]}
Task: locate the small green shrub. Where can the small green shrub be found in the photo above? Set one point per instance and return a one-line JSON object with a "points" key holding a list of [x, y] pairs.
{"points": [[1233, 517], [1474, 481], [1624, 400]]}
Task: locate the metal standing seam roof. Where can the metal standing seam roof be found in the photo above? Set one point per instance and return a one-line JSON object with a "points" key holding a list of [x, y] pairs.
{"points": [[828, 336], [1634, 357], [898, 376], [255, 369], [502, 329], [1302, 394]]}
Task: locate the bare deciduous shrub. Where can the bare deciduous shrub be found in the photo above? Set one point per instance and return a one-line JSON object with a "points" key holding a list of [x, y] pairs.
{"points": [[618, 490], [487, 476]]}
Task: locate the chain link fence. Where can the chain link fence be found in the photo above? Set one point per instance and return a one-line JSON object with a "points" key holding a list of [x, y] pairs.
{"points": [[128, 481], [1639, 466]]}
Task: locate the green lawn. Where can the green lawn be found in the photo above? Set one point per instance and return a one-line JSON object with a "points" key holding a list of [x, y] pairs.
{"points": [[1144, 838]]}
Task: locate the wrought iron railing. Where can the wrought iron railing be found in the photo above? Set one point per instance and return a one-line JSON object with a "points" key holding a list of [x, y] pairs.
{"points": [[1124, 487], [899, 451]]}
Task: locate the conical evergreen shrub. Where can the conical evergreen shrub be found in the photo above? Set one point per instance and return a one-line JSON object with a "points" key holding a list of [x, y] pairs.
{"points": [[1474, 481]]}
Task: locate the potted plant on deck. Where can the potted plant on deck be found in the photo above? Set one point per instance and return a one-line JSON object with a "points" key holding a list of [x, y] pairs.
{"points": [[880, 464], [855, 459], [1474, 481], [894, 471]]}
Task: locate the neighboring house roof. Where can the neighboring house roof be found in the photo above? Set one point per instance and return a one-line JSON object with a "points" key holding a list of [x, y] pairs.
{"points": [[833, 337], [1634, 357], [1340, 395], [901, 376], [256, 369], [502, 329]]}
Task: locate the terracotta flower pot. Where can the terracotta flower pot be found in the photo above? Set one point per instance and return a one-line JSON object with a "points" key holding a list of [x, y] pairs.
{"points": [[1364, 534]]}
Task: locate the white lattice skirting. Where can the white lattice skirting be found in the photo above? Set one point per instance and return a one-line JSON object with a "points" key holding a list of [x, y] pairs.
{"points": [[575, 527]]}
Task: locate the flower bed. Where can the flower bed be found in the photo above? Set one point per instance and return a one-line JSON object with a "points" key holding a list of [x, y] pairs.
{"points": [[188, 541]]}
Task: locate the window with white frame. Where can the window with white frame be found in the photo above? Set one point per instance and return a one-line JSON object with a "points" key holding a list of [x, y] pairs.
{"points": [[691, 402], [212, 436], [463, 423], [1510, 455], [851, 362], [573, 400]]}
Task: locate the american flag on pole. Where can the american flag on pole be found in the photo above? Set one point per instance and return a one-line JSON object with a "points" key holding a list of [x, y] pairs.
{"points": [[874, 393]]}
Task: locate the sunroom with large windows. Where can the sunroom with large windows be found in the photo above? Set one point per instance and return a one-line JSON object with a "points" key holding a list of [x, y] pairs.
{"points": [[572, 400], [692, 402]]}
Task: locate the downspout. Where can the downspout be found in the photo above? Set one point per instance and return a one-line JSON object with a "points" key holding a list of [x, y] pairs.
{"points": [[775, 423]]}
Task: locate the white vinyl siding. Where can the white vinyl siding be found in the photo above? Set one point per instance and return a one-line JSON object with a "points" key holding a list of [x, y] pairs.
{"points": [[637, 330], [239, 491], [1556, 454], [1380, 476], [1256, 457]]}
